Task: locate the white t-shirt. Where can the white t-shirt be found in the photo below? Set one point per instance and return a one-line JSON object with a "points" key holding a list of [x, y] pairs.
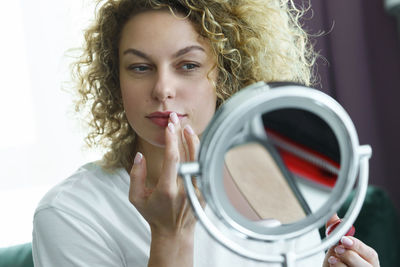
{"points": [[87, 221]]}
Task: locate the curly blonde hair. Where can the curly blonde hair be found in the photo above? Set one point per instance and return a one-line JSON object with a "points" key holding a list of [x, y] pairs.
{"points": [[253, 40]]}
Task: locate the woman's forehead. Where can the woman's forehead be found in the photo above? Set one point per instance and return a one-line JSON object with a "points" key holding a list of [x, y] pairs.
{"points": [[160, 31]]}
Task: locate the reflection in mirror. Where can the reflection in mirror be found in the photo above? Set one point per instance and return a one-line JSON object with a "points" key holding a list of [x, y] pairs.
{"points": [[257, 179], [288, 174]]}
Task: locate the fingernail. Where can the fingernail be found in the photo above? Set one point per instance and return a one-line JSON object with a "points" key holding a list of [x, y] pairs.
{"points": [[340, 250], [174, 117], [189, 129], [171, 127], [332, 260], [138, 158], [346, 241]]}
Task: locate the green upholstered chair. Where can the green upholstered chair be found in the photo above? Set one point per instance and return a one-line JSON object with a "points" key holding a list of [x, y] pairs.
{"points": [[16, 256]]}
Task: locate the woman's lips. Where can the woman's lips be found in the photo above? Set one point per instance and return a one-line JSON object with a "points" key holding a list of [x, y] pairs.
{"points": [[160, 121], [161, 118]]}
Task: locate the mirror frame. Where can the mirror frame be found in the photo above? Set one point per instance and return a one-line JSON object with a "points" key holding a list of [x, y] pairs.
{"points": [[238, 119]]}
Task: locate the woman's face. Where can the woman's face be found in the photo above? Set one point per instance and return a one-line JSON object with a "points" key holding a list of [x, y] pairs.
{"points": [[163, 68]]}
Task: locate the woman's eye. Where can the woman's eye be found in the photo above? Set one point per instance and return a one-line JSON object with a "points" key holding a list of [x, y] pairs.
{"points": [[189, 66], [139, 68]]}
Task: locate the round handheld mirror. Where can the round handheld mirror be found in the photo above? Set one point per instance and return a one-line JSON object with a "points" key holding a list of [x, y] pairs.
{"points": [[275, 163]]}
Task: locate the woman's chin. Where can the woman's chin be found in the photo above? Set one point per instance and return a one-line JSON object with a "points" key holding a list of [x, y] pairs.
{"points": [[157, 142], [154, 141]]}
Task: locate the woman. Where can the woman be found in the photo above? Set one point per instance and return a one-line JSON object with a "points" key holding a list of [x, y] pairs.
{"points": [[152, 75]]}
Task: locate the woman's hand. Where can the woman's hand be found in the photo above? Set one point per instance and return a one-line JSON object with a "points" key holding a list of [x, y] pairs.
{"points": [[351, 252], [165, 207]]}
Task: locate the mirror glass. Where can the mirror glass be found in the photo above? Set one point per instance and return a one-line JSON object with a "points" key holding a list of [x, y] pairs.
{"points": [[286, 172]]}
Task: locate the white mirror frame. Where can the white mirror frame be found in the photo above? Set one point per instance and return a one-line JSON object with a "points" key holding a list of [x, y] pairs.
{"points": [[237, 120]]}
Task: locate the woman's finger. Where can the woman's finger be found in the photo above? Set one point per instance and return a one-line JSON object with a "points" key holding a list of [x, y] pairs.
{"points": [[355, 247], [173, 117], [350, 257], [137, 187], [192, 141], [328, 254], [168, 176], [333, 261]]}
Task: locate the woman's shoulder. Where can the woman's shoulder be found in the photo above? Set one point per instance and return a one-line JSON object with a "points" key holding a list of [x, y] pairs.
{"points": [[88, 214], [88, 186]]}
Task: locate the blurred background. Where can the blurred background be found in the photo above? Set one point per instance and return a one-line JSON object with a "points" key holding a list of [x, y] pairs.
{"points": [[360, 68], [41, 141]]}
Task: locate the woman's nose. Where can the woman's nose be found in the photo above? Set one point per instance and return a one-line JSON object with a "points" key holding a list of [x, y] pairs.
{"points": [[164, 86]]}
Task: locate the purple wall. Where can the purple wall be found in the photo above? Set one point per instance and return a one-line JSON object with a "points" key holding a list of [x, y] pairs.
{"points": [[363, 74]]}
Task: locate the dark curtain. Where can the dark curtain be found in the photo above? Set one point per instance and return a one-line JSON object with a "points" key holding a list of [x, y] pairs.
{"points": [[362, 48]]}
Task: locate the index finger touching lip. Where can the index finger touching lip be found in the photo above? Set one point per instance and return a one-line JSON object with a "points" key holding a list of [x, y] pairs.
{"points": [[171, 157]]}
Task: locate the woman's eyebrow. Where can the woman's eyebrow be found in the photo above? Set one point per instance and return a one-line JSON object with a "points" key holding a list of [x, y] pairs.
{"points": [[175, 55], [187, 50], [137, 53]]}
